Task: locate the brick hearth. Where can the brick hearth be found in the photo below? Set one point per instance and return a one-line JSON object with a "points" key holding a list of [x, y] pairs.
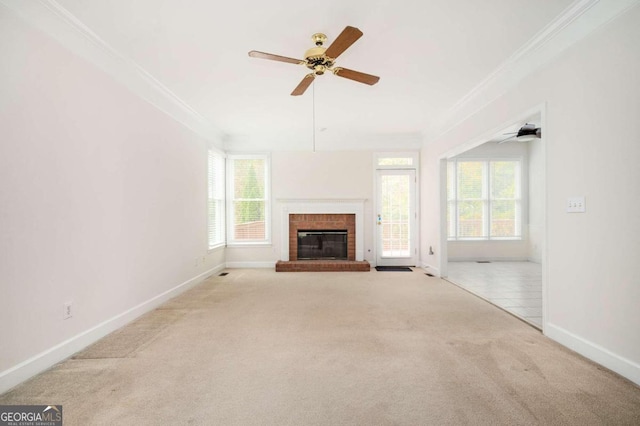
{"points": [[323, 266]]}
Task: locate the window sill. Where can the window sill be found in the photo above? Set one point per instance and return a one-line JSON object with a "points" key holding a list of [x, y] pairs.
{"points": [[217, 247], [484, 240], [249, 245]]}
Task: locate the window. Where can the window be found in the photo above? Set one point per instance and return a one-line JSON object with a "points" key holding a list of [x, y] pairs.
{"points": [[484, 200], [249, 209], [215, 206], [396, 160]]}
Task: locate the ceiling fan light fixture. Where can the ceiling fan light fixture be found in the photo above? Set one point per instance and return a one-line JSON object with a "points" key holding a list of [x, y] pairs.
{"points": [[528, 133], [319, 69]]}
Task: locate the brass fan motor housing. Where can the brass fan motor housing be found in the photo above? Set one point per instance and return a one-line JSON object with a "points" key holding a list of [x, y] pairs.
{"points": [[314, 53], [315, 59]]}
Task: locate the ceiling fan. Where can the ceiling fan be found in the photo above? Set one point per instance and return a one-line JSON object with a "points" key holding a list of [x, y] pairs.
{"points": [[526, 133], [321, 59]]}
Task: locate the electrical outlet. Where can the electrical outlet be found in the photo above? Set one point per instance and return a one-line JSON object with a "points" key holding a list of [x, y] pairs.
{"points": [[67, 312], [576, 205]]}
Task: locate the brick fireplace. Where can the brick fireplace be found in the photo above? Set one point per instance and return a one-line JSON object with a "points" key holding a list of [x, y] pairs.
{"points": [[322, 221], [322, 215]]}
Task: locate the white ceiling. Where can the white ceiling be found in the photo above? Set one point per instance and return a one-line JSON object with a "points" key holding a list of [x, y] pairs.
{"points": [[429, 55]]}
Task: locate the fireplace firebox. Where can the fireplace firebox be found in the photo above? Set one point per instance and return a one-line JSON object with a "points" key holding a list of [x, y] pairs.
{"points": [[314, 244]]}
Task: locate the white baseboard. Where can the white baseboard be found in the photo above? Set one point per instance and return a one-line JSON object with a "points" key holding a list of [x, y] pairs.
{"points": [[596, 353], [490, 259], [44, 360], [267, 264], [430, 269]]}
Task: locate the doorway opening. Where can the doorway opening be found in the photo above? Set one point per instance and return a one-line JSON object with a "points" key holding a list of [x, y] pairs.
{"points": [[493, 225]]}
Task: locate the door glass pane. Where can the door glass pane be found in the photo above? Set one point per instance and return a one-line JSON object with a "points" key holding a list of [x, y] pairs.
{"points": [[395, 215]]}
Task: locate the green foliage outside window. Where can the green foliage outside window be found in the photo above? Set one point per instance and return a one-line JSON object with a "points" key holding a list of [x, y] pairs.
{"points": [[249, 199], [483, 199]]}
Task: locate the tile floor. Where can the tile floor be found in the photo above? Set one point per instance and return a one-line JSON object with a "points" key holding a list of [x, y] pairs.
{"points": [[515, 287]]}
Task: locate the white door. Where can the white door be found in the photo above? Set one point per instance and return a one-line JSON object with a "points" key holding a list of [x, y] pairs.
{"points": [[396, 218]]}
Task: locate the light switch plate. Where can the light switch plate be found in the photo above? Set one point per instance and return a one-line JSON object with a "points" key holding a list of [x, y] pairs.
{"points": [[576, 205]]}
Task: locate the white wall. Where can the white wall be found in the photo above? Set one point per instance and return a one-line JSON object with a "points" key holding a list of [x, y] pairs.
{"points": [[308, 175], [102, 203], [592, 95]]}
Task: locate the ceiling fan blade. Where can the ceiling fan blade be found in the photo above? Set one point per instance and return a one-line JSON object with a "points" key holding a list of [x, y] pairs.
{"points": [[347, 37], [262, 55], [304, 84], [356, 76], [505, 139]]}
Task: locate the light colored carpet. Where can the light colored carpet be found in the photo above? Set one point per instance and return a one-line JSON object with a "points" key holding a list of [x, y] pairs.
{"points": [[263, 348]]}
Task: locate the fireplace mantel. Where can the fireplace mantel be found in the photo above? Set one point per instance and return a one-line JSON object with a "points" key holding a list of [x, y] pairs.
{"points": [[320, 206]]}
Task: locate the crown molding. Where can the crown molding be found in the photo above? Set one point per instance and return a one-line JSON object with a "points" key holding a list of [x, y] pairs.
{"points": [[542, 37], [54, 20], [576, 22]]}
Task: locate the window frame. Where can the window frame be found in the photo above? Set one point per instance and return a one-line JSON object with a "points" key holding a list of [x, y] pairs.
{"points": [[486, 199], [218, 194], [231, 241]]}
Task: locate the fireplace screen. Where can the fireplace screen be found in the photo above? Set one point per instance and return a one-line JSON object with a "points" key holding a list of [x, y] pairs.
{"points": [[319, 244]]}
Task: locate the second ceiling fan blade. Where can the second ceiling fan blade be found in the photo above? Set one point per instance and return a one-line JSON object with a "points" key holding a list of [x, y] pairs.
{"points": [[501, 141], [262, 55], [347, 37], [357, 76], [304, 85]]}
